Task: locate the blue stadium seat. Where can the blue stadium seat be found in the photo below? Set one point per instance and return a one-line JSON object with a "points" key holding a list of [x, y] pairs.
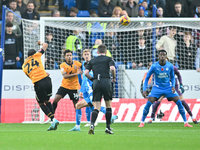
{"points": [[83, 13], [129, 65], [94, 4], [19, 64], [69, 3]]}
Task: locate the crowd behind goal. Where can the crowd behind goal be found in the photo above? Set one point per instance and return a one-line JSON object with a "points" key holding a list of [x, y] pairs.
{"points": [[131, 48]]}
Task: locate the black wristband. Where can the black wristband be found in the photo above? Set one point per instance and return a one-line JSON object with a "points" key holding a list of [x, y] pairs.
{"points": [[92, 79]]}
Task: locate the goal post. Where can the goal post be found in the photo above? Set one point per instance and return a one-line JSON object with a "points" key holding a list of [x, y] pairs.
{"points": [[123, 42]]}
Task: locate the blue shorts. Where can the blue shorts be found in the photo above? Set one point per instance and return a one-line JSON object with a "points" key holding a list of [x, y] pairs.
{"points": [[160, 91], [89, 98]]}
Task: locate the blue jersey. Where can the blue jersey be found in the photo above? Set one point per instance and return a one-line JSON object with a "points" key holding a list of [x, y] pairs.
{"points": [[86, 86], [163, 75]]}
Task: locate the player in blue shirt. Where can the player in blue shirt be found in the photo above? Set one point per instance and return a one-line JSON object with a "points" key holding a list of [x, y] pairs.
{"points": [[163, 73]]}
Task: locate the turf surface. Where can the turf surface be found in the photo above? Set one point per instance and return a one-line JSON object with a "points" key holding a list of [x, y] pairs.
{"points": [[127, 136]]}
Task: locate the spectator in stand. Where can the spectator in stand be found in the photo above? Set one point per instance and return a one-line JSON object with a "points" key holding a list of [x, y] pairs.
{"points": [[158, 3], [95, 47], [55, 13], [15, 28], [178, 11], [73, 12], [74, 43], [83, 4], [186, 52], [117, 11], [11, 49], [21, 7], [110, 40], [53, 55], [13, 7], [124, 13], [141, 55], [30, 12], [131, 8], [141, 11], [159, 12], [105, 9], [197, 14], [95, 30], [168, 43], [92, 12], [145, 5], [113, 2], [169, 7], [140, 2]]}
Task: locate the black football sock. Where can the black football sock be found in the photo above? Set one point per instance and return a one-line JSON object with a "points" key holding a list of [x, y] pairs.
{"points": [[108, 117], [47, 112], [95, 113], [50, 107], [54, 107], [187, 107]]}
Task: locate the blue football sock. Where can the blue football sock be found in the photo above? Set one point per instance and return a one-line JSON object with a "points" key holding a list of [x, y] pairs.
{"points": [[78, 116], [181, 110], [146, 110], [88, 113], [103, 109]]}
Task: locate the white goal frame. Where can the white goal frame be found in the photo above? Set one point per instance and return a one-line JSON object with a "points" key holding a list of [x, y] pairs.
{"points": [[99, 19]]}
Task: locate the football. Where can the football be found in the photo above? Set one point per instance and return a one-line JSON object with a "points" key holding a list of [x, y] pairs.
{"points": [[124, 20]]}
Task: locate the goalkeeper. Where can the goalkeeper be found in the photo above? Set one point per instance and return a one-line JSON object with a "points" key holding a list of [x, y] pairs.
{"points": [[87, 94], [180, 92]]}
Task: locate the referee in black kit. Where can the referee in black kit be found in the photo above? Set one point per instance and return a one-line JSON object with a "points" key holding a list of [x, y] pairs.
{"points": [[102, 86]]}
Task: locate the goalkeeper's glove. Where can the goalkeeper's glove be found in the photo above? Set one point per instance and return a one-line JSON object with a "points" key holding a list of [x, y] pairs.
{"points": [[181, 88]]}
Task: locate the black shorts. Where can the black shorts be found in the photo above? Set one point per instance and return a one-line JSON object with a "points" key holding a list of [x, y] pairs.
{"points": [[102, 88], [43, 89], [73, 94]]}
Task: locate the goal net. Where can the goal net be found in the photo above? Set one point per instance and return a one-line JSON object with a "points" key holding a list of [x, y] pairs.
{"points": [[132, 47]]}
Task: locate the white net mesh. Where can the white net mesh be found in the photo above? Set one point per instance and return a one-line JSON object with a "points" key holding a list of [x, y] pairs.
{"points": [[132, 46]]}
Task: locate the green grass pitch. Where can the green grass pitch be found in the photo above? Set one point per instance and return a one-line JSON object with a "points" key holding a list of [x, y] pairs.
{"points": [[127, 136]]}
